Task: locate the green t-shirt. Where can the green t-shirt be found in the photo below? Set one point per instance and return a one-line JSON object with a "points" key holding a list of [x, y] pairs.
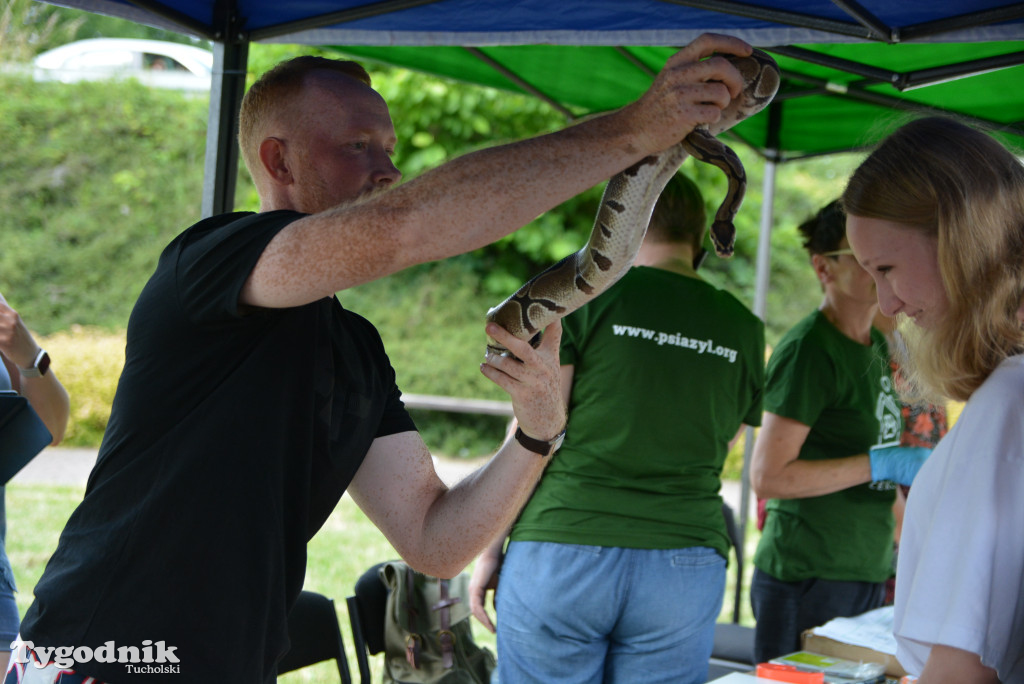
{"points": [[843, 390], [666, 369]]}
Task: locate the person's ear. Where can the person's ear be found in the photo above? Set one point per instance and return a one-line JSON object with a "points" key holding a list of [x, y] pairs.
{"points": [[272, 158], [822, 268]]}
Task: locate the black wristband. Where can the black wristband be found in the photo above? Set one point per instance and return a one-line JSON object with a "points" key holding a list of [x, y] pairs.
{"points": [[539, 446]]}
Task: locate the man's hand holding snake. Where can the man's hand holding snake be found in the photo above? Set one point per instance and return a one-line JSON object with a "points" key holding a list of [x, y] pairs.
{"points": [[693, 88], [532, 379]]}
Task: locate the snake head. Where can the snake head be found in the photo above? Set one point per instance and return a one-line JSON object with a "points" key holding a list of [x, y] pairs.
{"points": [[723, 236]]}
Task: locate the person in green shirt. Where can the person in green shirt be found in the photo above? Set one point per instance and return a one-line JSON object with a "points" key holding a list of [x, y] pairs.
{"points": [[826, 547], [616, 566]]}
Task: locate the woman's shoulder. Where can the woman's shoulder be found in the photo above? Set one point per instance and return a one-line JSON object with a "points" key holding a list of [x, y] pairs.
{"points": [[1005, 384]]}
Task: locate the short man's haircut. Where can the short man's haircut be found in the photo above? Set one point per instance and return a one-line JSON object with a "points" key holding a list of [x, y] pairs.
{"points": [[276, 89], [825, 230], [679, 215]]}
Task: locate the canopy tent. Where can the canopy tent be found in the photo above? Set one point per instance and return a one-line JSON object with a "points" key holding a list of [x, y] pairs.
{"points": [[845, 63], [829, 97]]}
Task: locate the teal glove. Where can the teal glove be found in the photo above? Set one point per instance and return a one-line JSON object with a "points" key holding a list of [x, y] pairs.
{"points": [[898, 464]]}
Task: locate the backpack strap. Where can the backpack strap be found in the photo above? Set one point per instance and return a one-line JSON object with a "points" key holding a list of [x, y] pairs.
{"points": [[412, 640], [446, 637]]}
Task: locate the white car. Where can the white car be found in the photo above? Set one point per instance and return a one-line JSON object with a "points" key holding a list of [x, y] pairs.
{"points": [[156, 63]]}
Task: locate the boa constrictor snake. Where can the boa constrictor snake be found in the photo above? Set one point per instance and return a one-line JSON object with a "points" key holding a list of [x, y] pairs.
{"points": [[625, 211]]}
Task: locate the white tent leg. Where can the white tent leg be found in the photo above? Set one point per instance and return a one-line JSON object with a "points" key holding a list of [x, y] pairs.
{"points": [[763, 272], [226, 90]]}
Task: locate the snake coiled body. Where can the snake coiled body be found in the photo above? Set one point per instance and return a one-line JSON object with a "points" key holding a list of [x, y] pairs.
{"points": [[625, 211]]}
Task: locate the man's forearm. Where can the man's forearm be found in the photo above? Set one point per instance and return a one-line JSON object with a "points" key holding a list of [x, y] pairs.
{"points": [[478, 509]]}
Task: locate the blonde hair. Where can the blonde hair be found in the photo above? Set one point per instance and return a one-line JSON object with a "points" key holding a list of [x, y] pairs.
{"points": [[275, 90], [957, 184]]}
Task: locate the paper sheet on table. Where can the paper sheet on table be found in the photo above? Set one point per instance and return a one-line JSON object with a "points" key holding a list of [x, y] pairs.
{"points": [[872, 629]]}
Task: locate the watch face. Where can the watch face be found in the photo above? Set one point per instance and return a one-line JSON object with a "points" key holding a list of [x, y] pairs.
{"points": [[44, 364]]}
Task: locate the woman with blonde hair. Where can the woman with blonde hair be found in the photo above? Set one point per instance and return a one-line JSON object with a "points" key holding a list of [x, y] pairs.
{"points": [[936, 216]]}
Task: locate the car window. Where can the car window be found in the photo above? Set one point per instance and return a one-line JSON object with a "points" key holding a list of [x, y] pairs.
{"points": [[101, 59], [161, 63]]}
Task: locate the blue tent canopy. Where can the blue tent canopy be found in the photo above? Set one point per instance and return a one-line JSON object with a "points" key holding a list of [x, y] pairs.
{"points": [[844, 62], [572, 22]]}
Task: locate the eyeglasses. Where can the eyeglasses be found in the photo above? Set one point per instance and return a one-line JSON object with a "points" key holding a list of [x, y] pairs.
{"points": [[837, 252]]}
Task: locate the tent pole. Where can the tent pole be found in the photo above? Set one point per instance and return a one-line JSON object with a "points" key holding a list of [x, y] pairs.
{"points": [[220, 172], [764, 249], [764, 243]]}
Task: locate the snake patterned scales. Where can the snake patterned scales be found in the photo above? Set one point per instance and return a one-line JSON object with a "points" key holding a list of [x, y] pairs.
{"points": [[625, 211]]}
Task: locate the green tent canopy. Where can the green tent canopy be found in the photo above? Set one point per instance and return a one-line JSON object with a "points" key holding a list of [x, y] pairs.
{"points": [[833, 96]]}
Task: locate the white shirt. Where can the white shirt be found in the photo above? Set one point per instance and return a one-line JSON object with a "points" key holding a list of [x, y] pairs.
{"points": [[960, 579]]}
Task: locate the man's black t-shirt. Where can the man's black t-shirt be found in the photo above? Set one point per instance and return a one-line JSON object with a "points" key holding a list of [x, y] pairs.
{"points": [[233, 435]]}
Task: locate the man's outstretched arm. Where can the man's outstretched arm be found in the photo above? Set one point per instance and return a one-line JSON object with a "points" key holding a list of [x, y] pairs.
{"points": [[482, 196]]}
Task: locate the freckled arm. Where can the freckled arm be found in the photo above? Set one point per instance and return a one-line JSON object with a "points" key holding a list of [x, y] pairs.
{"points": [[485, 195]]}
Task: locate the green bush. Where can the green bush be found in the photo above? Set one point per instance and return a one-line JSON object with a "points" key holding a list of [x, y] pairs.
{"points": [[88, 362], [97, 178]]}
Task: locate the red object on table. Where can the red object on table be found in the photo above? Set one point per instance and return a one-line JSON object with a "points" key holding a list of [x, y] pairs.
{"points": [[788, 673]]}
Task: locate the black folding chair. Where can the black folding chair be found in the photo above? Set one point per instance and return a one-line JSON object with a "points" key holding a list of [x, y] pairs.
{"points": [[315, 636], [366, 614]]}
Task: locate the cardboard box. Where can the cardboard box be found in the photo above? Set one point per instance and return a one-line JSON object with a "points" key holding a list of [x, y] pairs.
{"points": [[825, 646]]}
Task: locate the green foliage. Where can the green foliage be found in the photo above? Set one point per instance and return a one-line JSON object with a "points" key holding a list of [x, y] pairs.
{"points": [[28, 28], [97, 178]]}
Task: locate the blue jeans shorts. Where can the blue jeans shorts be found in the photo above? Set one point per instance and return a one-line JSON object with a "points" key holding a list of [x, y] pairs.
{"points": [[573, 613]]}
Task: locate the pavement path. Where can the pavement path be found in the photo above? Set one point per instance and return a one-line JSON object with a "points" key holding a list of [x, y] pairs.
{"points": [[71, 466], [58, 465]]}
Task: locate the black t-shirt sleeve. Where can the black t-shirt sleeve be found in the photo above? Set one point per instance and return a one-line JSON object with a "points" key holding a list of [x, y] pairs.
{"points": [[215, 259], [395, 418]]}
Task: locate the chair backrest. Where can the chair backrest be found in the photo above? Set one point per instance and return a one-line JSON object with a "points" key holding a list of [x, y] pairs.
{"points": [[315, 636], [736, 538], [366, 610], [734, 532]]}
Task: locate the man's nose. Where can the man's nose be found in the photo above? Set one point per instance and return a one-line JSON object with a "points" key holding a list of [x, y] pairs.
{"points": [[386, 173]]}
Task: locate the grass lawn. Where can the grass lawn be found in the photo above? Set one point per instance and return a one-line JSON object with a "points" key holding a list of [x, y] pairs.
{"points": [[341, 551]]}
